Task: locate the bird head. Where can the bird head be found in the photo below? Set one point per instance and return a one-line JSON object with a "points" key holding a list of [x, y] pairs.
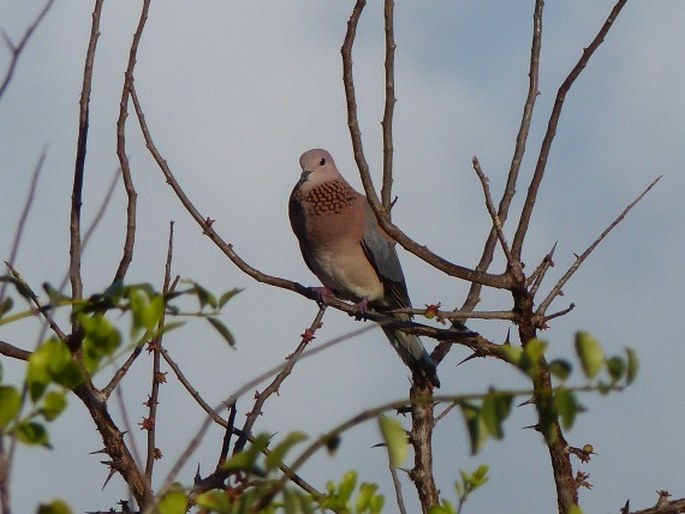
{"points": [[317, 167]]}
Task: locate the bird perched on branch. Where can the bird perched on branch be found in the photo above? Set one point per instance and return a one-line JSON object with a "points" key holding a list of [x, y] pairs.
{"points": [[351, 255]]}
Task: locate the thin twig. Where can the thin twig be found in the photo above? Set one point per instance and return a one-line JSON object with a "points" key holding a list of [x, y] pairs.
{"points": [[194, 393], [273, 387], [130, 237], [390, 100], [39, 306], [496, 222], [247, 387], [226, 442], [207, 223], [458, 315], [10, 350], [421, 251], [17, 49], [556, 290], [157, 376], [79, 167], [397, 486], [535, 279], [555, 115], [121, 372], [473, 296]]}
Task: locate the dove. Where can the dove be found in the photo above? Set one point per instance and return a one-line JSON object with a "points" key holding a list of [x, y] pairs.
{"points": [[343, 245]]}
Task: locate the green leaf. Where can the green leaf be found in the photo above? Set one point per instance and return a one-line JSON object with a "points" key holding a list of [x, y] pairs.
{"points": [[214, 501], [366, 494], [478, 432], [47, 362], [632, 367], [590, 354], [100, 340], [223, 330], [445, 508], [228, 295], [560, 368], [55, 297], [276, 456], [54, 404], [512, 354], [395, 438], [479, 477], [574, 509], [347, 485], [173, 502], [54, 507], [291, 502], [147, 309], [616, 367], [204, 296], [533, 352], [32, 433], [10, 405], [247, 459], [494, 411], [6, 305], [567, 407]]}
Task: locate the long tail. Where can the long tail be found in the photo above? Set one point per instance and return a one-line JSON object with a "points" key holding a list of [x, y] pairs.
{"points": [[414, 355]]}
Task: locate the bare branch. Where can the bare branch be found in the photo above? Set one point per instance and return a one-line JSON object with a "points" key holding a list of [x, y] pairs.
{"points": [[9, 350], [496, 222], [554, 117], [45, 312], [273, 387], [473, 296], [17, 49], [421, 251], [397, 486], [386, 189], [207, 223], [79, 168], [249, 386], [157, 377], [556, 290], [121, 148], [535, 279]]}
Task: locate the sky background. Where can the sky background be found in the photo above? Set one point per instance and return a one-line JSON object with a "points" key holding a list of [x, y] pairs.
{"points": [[234, 92]]}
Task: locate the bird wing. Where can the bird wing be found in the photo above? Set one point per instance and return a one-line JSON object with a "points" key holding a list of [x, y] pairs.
{"points": [[380, 250]]}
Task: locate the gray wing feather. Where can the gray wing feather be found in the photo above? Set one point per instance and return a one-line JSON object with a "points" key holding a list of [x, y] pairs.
{"points": [[380, 250]]}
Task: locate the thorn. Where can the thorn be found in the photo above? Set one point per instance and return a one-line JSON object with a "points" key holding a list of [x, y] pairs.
{"points": [[110, 474], [472, 356]]}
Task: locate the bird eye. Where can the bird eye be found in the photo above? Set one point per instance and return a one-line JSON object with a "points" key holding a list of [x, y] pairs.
{"points": [[322, 161]]}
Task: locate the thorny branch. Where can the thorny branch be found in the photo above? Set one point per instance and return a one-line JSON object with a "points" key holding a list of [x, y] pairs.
{"points": [[552, 124], [121, 148], [421, 251], [79, 167], [556, 290]]}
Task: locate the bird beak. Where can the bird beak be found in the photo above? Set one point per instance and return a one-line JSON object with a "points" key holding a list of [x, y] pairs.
{"points": [[305, 175]]}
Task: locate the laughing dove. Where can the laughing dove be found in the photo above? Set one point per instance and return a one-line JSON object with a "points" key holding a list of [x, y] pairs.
{"points": [[351, 255]]}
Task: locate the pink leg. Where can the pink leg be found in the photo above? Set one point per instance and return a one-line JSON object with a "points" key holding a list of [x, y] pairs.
{"points": [[361, 309], [322, 293]]}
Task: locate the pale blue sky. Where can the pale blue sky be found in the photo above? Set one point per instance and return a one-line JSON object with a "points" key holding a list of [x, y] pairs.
{"points": [[234, 92]]}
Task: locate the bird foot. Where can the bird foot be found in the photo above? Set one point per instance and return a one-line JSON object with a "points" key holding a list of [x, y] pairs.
{"points": [[360, 309], [322, 294]]}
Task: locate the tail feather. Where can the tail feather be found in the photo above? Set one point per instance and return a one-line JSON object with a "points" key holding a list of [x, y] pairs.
{"points": [[414, 355]]}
